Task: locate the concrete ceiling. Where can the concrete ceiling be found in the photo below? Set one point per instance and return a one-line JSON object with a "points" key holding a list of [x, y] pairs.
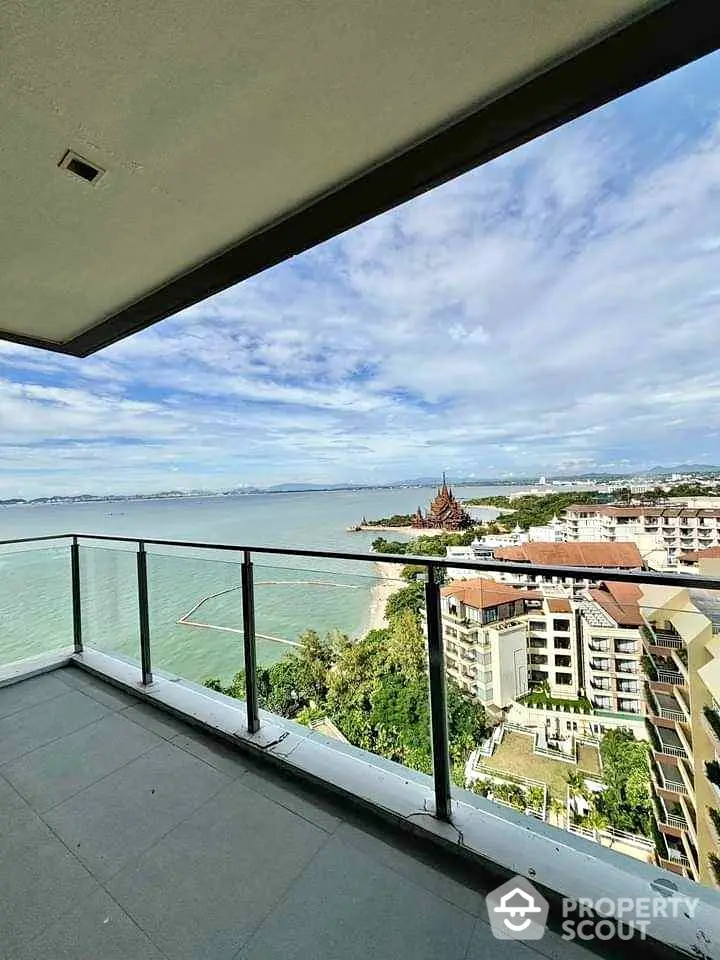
{"points": [[214, 120]]}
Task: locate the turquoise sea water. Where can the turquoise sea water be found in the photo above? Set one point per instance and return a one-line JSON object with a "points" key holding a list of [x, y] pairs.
{"points": [[291, 594]]}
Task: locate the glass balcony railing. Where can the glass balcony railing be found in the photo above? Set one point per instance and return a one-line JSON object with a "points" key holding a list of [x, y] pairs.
{"points": [[387, 666]]}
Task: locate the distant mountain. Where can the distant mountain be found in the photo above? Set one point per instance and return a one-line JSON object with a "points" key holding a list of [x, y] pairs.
{"points": [[682, 468]]}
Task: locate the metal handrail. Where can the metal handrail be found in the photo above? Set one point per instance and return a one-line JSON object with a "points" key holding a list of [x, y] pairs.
{"points": [[571, 573], [436, 673]]}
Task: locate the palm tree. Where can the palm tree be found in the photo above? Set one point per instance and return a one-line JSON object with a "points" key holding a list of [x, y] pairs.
{"points": [[576, 782], [596, 821], [558, 810]]}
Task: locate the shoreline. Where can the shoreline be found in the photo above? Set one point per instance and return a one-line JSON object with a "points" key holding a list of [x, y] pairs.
{"points": [[389, 582], [403, 531]]}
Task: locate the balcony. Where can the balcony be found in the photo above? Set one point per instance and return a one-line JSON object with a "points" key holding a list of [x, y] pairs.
{"points": [[626, 666], [183, 842], [667, 778], [156, 840], [662, 638], [626, 646], [666, 706], [662, 670], [667, 742], [673, 816]]}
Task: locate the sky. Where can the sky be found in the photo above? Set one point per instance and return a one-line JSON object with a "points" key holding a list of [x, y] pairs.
{"points": [[554, 311]]}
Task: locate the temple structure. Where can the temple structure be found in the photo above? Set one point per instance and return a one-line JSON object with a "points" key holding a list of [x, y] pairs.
{"points": [[445, 513]]}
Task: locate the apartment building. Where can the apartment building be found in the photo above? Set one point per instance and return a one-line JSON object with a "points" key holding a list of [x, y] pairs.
{"points": [[682, 645], [485, 638], [670, 530], [553, 647], [611, 649]]}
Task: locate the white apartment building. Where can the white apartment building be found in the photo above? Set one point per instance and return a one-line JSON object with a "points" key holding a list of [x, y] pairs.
{"points": [[609, 619], [485, 639], [500, 641], [671, 530], [553, 647]]}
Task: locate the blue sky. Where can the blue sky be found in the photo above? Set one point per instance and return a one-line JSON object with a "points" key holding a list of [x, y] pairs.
{"points": [[556, 310]]}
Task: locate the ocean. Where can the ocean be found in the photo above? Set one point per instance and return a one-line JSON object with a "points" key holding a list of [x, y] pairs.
{"points": [[194, 596]]}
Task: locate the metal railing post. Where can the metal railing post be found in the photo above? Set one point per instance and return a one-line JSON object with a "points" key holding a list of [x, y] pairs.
{"points": [[438, 699], [248, 611], [144, 614], [76, 598]]}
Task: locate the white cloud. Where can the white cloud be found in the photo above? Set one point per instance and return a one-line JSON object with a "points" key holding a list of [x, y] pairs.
{"points": [[556, 309]]}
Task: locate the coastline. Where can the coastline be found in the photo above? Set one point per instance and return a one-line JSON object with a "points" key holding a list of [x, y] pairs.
{"points": [[404, 531], [389, 582]]}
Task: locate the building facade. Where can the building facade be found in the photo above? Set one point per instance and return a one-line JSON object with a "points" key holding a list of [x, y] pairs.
{"points": [[682, 647], [609, 626], [485, 639], [672, 530]]}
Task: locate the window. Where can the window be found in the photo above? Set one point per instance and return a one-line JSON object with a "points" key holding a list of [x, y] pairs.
{"points": [[563, 625], [537, 625], [562, 661], [538, 658], [562, 643], [563, 679]]}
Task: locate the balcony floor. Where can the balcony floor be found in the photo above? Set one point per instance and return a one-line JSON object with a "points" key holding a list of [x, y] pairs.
{"points": [[128, 835]]}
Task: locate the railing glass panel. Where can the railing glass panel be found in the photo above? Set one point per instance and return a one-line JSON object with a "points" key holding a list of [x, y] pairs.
{"points": [[35, 600]]}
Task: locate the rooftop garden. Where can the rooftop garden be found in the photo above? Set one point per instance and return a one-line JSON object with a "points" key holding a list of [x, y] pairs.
{"points": [[540, 697]]}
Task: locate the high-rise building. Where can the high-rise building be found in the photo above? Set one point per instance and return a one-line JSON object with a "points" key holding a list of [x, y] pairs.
{"points": [[682, 644], [672, 530]]}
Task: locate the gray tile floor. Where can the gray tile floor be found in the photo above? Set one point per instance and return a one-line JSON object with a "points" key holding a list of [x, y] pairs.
{"points": [[126, 835]]}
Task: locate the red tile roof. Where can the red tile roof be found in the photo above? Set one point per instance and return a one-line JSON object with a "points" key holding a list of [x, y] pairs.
{"points": [[558, 605], [620, 601], [480, 593], [709, 553], [619, 555]]}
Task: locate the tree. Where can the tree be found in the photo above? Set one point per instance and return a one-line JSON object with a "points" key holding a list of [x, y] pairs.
{"points": [[576, 783], [626, 801], [558, 809], [405, 645], [596, 821], [411, 597]]}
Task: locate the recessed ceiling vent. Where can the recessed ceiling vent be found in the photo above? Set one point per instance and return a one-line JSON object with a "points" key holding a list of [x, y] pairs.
{"points": [[80, 167]]}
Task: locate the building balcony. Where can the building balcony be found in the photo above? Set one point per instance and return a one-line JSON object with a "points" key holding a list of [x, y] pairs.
{"points": [[671, 819], [663, 639], [153, 817], [666, 742], [626, 646], [666, 706], [626, 666], [667, 778]]}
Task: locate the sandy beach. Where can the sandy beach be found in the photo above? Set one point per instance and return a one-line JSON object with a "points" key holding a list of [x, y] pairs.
{"points": [[405, 531], [389, 582]]}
